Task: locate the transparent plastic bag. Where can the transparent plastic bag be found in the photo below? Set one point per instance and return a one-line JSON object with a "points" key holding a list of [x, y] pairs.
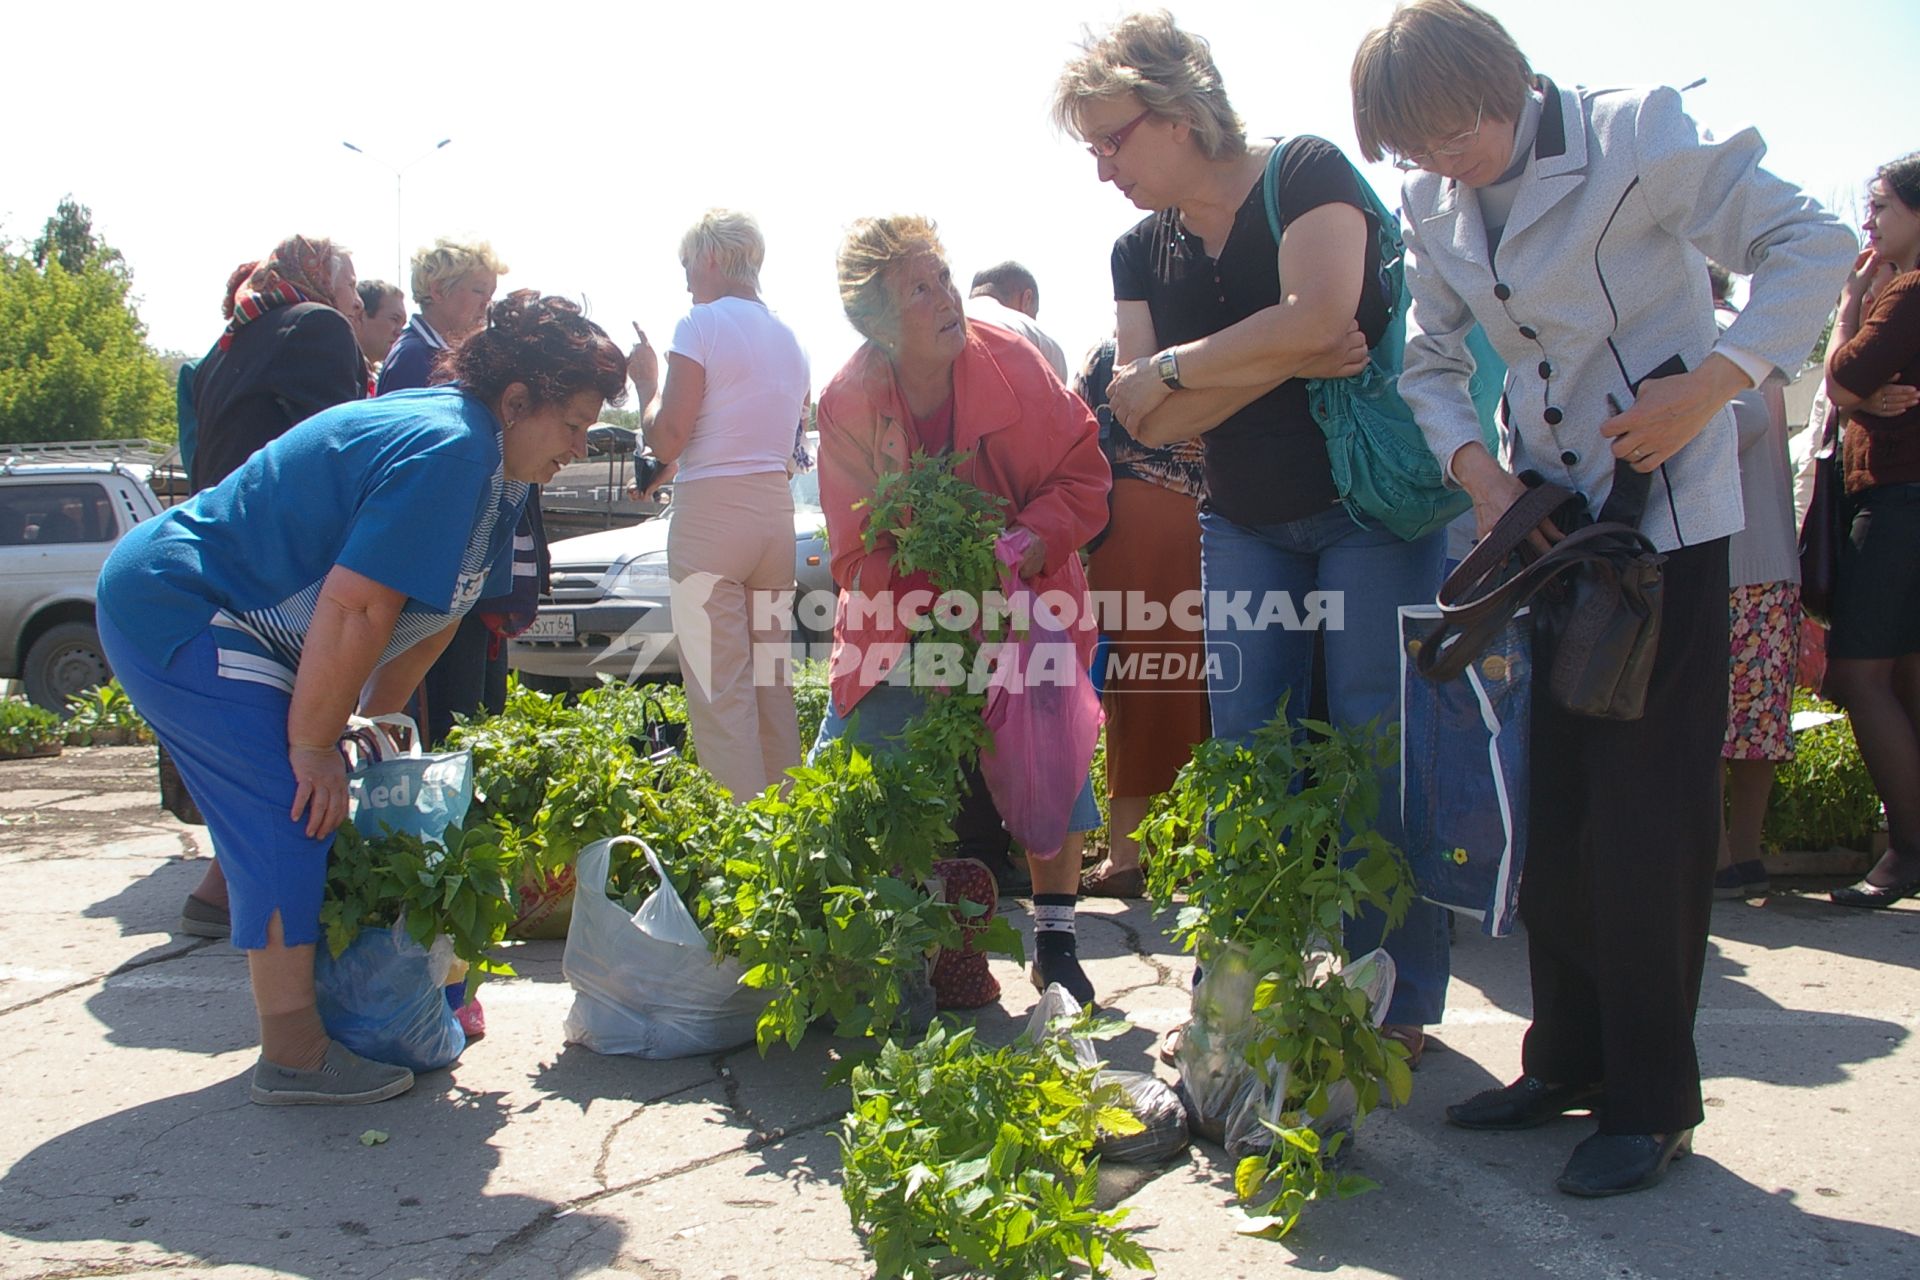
{"points": [[1149, 1098], [1227, 1100]]}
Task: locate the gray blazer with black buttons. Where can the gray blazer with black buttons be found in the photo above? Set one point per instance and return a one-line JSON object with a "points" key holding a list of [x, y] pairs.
{"points": [[1600, 281]]}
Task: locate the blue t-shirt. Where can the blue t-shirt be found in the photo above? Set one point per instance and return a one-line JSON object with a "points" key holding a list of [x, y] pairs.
{"points": [[409, 490]]}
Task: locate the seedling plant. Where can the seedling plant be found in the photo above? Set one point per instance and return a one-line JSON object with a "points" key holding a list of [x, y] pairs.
{"points": [[1273, 844]]}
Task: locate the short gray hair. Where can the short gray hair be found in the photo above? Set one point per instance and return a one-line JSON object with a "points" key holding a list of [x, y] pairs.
{"points": [[1170, 71], [868, 254], [732, 239]]}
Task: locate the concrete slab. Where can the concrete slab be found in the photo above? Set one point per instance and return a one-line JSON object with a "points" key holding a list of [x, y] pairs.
{"points": [[131, 1148]]}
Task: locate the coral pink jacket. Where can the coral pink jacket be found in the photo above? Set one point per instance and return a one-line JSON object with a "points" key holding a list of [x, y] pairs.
{"points": [[1033, 442]]}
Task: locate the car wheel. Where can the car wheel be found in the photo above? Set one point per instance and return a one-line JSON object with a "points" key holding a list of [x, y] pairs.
{"points": [[65, 660]]}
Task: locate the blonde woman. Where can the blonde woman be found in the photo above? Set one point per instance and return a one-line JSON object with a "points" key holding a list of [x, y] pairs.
{"points": [[453, 284], [736, 383]]}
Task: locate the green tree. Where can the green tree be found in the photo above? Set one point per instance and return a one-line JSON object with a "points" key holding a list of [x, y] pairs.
{"points": [[74, 361], [69, 238]]}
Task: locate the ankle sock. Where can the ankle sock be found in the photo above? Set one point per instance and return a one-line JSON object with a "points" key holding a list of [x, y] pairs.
{"points": [[294, 1040], [1056, 947]]}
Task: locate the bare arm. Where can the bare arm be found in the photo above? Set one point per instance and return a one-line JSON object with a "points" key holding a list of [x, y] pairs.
{"points": [[395, 682], [1310, 332], [352, 623], [669, 426], [1181, 415]]}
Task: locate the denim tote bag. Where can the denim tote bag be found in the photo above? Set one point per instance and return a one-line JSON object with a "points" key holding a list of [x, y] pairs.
{"points": [[1464, 773]]}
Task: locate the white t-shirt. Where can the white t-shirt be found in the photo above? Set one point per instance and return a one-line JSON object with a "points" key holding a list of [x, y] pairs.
{"points": [[757, 386], [995, 312]]}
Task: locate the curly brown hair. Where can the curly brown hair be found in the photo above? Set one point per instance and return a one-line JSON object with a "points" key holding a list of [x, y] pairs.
{"points": [[546, 343]]}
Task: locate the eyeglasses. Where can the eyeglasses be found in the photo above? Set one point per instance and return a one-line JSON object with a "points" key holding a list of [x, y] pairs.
{"points": [[1454, 146], [1109, 146]]}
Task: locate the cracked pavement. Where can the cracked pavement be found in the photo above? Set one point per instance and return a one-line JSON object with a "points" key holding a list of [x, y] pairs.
{"points": [[130, 1148]]}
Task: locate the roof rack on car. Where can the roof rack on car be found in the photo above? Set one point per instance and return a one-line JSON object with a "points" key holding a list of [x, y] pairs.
{"points": [[55, 452]]}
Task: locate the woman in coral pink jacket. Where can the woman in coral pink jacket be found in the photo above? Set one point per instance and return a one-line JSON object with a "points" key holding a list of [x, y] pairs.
{"points": [[927, 380]]}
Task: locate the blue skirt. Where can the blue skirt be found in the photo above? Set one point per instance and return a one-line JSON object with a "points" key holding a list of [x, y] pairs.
{"points": [[229, 739]]}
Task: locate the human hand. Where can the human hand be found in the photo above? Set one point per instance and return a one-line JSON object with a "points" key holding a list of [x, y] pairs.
{"points": [[320, 792], [1871, 273], [1346, 357], [1034, 558], [1135, 392], [1890, 401], [643, 366], [1494, 489], [1669, 412]]}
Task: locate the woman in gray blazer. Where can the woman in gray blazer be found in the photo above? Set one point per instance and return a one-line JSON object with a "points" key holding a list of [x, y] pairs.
{"points": [[1573, 225]]}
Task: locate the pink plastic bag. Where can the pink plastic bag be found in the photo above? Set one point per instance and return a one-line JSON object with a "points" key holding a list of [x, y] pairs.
{"points": [[1044, 716]]}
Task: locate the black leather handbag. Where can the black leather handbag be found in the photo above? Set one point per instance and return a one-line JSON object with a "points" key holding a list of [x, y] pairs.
{"points": [[1824, 525], [1596, 596]]}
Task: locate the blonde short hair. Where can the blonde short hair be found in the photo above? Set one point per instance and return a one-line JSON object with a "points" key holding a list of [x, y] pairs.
{"points": [[1170, 71], [1431, 71], [872, 248], [732, 239], [448, 261]]}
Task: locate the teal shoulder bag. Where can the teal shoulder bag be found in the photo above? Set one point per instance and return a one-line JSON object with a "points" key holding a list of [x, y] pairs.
{"points": [[1382, 468]]}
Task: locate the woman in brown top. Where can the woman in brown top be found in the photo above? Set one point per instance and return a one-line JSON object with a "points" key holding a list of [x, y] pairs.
{"points": [[1874, 650]]}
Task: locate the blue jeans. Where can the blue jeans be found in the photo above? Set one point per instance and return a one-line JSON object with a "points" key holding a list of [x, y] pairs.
{"points": [[1348, 579], [882, 716]]}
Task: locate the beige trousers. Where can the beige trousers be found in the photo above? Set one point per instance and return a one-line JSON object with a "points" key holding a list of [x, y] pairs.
{"points": [[730, 555]]}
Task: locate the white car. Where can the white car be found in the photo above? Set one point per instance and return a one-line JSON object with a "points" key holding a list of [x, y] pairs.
{"points": [[609, 613], [59, 517]]}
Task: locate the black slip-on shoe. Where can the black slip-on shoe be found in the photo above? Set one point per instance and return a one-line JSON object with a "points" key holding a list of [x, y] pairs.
{"points": [[1527, 1103], [1613, 1164]]}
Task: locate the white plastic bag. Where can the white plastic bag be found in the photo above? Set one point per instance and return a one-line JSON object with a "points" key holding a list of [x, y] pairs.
{"points": [[648, 984]]}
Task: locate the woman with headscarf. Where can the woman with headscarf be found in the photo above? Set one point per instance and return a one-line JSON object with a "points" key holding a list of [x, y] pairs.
{"points": [[289, 350]]}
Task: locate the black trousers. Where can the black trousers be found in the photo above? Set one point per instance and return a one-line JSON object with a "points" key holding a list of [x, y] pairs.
{"points": [[1618, 886], [464, 680]]}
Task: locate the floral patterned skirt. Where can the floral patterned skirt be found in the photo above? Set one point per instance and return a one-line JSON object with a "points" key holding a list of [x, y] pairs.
{"points": [[1764, 630]]}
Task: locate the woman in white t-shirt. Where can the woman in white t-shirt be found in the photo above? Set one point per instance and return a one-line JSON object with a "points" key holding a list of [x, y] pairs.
{"points": [[736, 390]]}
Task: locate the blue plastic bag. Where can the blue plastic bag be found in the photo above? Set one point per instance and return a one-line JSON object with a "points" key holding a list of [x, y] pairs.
{"points": [[382, 998], [1464, 772]]}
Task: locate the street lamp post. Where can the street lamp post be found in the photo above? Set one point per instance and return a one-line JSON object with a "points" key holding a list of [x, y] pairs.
{"points": [[399, 173]]}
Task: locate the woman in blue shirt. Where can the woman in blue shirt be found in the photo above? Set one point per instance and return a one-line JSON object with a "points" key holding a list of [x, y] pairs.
{"points": [[324, 576]]}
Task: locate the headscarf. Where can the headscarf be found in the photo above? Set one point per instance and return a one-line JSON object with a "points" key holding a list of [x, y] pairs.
{"points": [[297, 270]]}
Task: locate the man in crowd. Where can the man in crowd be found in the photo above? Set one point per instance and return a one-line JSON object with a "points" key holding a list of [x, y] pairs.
{"points": [[1008, 297]]}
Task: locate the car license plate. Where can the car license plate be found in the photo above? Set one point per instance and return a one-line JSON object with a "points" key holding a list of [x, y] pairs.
{"points": [[550, 626]]}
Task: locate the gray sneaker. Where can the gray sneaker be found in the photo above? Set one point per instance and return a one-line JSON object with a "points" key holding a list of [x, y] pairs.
{"points": [[344, 1079], [202, 919]]}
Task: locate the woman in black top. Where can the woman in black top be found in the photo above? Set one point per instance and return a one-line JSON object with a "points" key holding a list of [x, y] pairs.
{"points": [[1208, 348]]}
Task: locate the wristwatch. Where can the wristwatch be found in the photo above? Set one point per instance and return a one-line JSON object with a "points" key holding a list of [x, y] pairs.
{"points": [[1167, 365]]}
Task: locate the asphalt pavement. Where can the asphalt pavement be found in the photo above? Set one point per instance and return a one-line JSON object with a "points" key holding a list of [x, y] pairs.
{"points": [[129, 1147]]}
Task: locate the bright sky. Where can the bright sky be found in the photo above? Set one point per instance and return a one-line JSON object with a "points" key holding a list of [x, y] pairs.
{"points": [[587, 136]]}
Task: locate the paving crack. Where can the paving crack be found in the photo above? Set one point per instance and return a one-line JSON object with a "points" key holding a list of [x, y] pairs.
{"points": [[606, 1142], [523, 1240], [1131, 936], [131, 966]]}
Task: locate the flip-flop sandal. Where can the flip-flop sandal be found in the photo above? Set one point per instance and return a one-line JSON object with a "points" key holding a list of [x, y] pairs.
{"points": [[1414, 1038], [1107, 881]]}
